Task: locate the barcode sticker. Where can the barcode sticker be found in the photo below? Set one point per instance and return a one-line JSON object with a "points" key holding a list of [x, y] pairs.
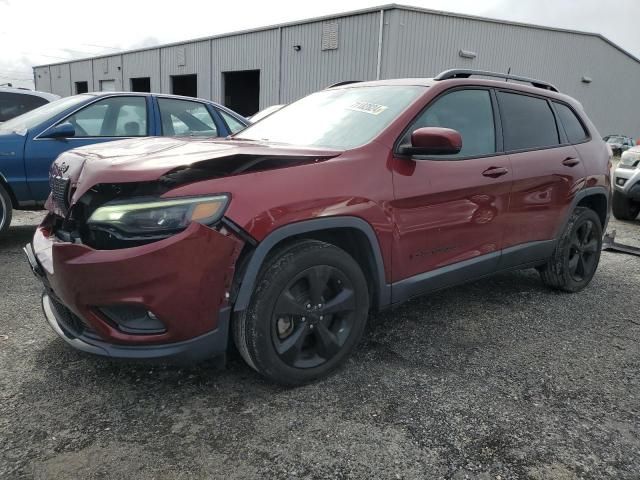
{"points": [[366, 107]]}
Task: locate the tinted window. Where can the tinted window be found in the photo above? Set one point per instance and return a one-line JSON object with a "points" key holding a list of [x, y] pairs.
{"points": [[572, 125], [182, 117], [15, 104], [112, 117], [467, 111], [233, 124], [527, 122]]}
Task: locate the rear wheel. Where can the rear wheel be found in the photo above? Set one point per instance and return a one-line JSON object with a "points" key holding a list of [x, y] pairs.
{"points": [[5, 210], [623, 207], [306, 315], [577, 254]]}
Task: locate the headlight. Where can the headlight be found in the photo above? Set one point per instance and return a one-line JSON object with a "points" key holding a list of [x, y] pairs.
{"points": [[158, 217]]}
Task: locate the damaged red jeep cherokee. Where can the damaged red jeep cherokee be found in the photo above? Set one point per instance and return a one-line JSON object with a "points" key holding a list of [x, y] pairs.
{"points": [[287, 234]]}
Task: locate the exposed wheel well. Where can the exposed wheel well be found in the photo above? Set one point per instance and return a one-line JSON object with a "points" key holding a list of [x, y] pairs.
{"points": [[598, 203]]}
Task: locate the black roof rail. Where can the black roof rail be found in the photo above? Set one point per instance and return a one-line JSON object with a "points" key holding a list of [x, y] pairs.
{"points": [[462, 73], [346, 82]]}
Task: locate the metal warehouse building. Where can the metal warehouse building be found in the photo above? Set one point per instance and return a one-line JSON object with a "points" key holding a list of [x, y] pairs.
{"points": [[253, 69]]}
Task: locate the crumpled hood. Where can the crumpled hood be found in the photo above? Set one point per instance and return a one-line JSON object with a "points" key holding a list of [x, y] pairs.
{"points": [[148, 159]]}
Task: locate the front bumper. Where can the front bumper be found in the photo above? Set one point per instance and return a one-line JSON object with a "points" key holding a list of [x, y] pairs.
{"points": [[182, 281], [627, 182]]}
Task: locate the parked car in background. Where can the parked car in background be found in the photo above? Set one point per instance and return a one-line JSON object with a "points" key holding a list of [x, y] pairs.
{"points": [[31, 142], [16, 101], [285, 236], [264, 113], [619, 143], [626, 186]]}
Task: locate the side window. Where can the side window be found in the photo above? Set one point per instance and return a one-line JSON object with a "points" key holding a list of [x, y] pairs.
{"points": [[576, 132], [527, 122], [112, 117], [467, 111], [234, 125], [14, 104], [184, 118]]}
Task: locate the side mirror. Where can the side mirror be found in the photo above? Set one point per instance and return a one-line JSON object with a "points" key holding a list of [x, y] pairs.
{"points": [[64, 130], [433, 141]]}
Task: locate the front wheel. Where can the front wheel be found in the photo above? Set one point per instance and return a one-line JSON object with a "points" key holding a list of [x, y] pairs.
{"points": [[577, 253], [5, 210], [306, 315]]}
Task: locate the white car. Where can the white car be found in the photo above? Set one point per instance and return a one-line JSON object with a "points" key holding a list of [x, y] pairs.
{"points": [[16, 101], [626, 186]]}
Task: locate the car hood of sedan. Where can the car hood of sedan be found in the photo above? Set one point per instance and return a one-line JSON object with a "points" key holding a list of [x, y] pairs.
{"points": [[176, 160]]}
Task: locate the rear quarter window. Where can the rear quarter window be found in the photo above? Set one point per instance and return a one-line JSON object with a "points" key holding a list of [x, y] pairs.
{"points": [[573, 127], [527, 122]]}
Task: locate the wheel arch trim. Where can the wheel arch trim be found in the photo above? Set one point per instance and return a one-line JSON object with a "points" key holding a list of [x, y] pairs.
{"points": [[307, 226], [581, 195]]}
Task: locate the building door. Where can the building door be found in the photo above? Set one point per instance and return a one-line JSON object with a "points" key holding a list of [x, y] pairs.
{"points": [[186, 85], [242, 91], [107, 85], [141, 84]]}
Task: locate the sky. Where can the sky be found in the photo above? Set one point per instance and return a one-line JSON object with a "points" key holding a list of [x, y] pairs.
{"points": [[36, 32]]}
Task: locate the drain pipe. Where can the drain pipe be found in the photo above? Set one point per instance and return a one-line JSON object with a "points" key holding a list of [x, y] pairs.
{"points": [[379, 65]]}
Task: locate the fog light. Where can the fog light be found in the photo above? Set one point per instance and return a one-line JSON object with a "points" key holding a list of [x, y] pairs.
{"points": [[133, 319], [621, 181]]}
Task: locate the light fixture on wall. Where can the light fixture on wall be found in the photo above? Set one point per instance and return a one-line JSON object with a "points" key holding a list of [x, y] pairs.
{"points": [[297, 48], [467, 54], [586, 79]]}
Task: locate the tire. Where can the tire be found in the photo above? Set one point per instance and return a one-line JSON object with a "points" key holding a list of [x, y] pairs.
{"points": [[623, 207], [5, 210], [575, 259], [292, 333]]}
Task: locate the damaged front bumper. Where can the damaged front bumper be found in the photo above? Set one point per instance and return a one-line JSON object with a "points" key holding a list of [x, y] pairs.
{"points": [[181, 282]]}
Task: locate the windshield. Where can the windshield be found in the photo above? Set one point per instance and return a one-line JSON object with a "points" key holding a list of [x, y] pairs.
{"points": [[342, 118], [35, 117], [615, 140]]}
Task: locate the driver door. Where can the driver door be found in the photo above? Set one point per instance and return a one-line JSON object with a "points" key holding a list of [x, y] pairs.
{"points": [[112, 118], [450, 211]]}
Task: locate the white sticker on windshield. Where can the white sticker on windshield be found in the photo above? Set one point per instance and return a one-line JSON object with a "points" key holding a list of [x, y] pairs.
{"points": [[366, 107]]}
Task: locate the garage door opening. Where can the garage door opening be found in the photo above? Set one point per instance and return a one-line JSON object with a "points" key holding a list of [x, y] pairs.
{"points": [[82, 87], [141, 84], [242, 91], [186, 85]]}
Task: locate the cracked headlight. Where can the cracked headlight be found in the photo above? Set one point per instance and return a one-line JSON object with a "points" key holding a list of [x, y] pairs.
{"points": [[155, 217]]}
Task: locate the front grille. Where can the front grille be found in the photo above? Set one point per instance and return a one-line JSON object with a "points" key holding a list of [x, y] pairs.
{"points": [[69, 320], [60, 192]]}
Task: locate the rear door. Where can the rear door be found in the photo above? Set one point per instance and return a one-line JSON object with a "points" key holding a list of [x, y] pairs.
{"points": [[111, 118], [450, 210], [547, 171]]}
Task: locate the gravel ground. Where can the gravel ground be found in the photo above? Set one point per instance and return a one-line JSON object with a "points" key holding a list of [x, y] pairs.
{"points": [[498, 379]]}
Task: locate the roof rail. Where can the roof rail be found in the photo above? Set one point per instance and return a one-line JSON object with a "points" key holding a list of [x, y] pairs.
{"points": [[346, 82], [462, 73]]}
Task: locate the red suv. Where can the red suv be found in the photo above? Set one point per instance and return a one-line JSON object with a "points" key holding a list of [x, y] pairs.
{"points": [[286, 235]]}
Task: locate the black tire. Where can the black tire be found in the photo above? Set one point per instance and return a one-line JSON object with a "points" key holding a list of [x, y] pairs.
{"points": [[623, 207], [299, 347], [577, 254], [5, 210]]}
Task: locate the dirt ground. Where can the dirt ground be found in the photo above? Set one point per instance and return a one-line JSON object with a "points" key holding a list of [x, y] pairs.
{"points": [[498, 379]]}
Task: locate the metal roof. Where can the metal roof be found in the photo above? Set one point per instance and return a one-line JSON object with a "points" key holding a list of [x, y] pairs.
{"points": [[390, 6]]}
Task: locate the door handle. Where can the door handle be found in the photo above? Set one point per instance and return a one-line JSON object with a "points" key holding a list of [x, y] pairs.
{"points": [[495, 172], [570, 162]]}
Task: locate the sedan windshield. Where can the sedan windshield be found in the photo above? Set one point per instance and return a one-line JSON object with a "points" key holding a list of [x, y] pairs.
{"points": [[35, 117], [339, 118], [615, 140]]}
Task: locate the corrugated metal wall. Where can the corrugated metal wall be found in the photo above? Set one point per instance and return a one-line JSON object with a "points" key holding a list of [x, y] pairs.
{"points": [[414, 44], [61, 79], [42, 76], [251, 51], [419, 44], [185, 59], [312, 68], [107, 68], [142, 64], [82, 72]]}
